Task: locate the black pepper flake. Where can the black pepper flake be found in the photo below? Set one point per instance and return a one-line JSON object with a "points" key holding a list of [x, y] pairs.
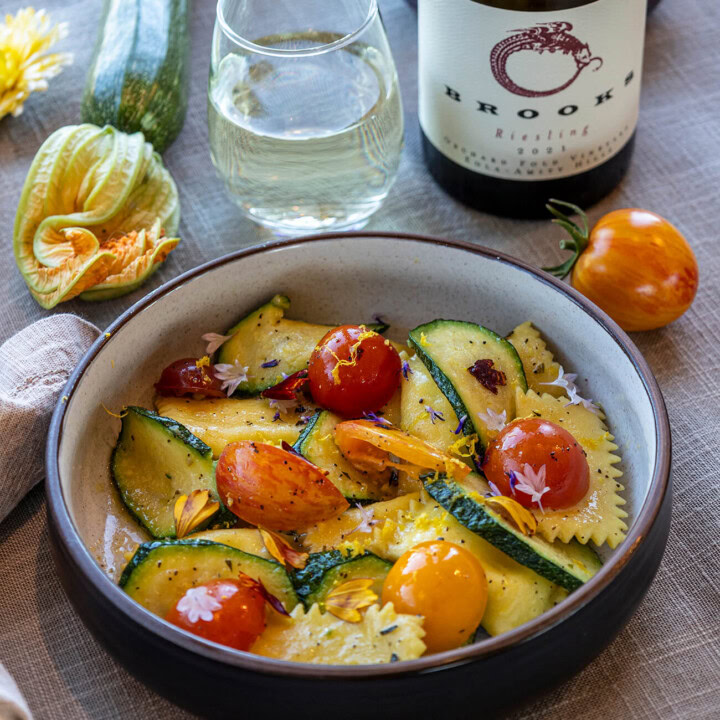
{"points": [[388, 630], [394, 658]]}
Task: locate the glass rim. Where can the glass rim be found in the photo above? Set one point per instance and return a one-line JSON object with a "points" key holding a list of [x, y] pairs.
{"points": [[306, 52]]}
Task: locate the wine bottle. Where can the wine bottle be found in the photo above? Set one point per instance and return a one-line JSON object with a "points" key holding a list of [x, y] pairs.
{"points": [[525, 100]]}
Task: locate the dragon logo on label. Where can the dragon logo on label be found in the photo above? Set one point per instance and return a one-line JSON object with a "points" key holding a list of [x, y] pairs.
{"points": [[549, 37]]}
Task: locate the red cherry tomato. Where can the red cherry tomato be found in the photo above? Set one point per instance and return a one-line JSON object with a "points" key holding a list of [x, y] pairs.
{"points": [[184, 377], [518, 455], [273, 488], [230, 612], [354, 371]]}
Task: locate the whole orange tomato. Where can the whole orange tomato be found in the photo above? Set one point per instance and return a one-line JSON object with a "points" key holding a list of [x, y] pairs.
{"points": [[634, 264]]}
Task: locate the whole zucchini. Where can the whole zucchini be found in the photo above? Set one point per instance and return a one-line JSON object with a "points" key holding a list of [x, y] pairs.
{"points": [[138, 79]]}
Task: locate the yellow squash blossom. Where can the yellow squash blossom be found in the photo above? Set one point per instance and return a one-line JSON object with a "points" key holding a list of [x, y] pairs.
{"points": [[24, 65]]}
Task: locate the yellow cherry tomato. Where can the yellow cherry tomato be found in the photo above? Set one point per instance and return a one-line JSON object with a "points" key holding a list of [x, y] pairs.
{"points": [[634, 264], [445, 584]]}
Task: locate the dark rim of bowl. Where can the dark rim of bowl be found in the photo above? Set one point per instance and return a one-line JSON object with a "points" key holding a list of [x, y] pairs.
{"points": [[112, 593]]}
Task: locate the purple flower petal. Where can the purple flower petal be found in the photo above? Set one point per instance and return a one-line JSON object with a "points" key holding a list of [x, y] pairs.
{"points": [[461, 425], [270, 364]]}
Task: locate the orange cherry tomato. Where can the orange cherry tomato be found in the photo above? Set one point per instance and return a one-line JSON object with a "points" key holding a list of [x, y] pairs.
{"points": [[445, 584], [368, 445], [537, 453], [273, 488], [353, 371], [227, 611], [634, 264]]}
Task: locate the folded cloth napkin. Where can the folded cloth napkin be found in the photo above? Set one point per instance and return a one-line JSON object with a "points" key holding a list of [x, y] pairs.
{"points": [[34, 367]]}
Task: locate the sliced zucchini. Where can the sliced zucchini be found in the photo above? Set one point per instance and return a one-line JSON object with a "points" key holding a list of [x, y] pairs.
{"points": [[155, 460], [419, 391], [266, 335], [566, 564], [325, 571], [219, 421], [317, 444], [160, 573], [450, 349]]}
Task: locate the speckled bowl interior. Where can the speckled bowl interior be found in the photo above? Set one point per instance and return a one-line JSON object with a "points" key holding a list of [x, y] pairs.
{"points": [[334, 280]]}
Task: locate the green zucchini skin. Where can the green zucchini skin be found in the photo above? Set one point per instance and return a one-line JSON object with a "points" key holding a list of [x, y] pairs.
{"points": [[325, 571], [155, 460], [139, 76], [567, 565], [160, 572]]}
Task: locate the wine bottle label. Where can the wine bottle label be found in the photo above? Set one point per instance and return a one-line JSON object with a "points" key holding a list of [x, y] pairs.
{"points": [[530, 95]]}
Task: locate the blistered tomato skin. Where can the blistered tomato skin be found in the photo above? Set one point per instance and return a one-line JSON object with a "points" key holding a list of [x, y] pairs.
{"points": [[227, 611], [184, 377], [354, 371], [444, 583], [538, 443], [638, 268], [273, 488]]}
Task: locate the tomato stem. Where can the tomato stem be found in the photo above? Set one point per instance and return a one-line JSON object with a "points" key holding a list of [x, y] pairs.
{"points": [[578, 240]]}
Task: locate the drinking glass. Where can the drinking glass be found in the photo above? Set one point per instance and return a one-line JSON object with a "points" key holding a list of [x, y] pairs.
{"points": [[304, 111]]}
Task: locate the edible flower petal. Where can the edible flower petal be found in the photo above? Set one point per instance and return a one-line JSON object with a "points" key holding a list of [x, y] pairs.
{"points": [[406, 370], [193, 510], [532, 483], [461, 425], [197, 604], [282, 550], [513, 511], [214, 341], [575, 399], [346, 600], [231, 376], [269, 598], [24, 65], [270, 364], [493, 420], [368, 520], [379, 420], [565, 381], [434, 414]]}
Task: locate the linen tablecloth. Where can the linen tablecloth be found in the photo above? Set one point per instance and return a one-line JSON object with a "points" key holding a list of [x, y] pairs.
{"points": [[666, 663]]}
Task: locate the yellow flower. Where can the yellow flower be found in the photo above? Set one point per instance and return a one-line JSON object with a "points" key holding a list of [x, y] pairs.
{"points": [[24, 68]]}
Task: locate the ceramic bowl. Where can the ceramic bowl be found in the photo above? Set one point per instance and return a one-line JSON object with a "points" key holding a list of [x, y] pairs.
{"points": [[408, 280]]}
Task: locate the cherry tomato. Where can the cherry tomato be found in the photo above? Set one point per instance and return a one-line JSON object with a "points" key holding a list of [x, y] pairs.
{"points": [[227, 611], [184, 377], [354, 371], [368, 445], [273, 488], [539, 444], [445, 584], [635, 265]]}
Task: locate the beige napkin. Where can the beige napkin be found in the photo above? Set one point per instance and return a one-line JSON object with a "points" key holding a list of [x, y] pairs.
{"points": [[34, 367]]}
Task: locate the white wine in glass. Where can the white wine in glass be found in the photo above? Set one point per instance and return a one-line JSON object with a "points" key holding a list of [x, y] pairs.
{"points": [[306, 125]]}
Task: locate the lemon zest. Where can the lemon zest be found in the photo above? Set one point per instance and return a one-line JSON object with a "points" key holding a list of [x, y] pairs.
{"points": [[204, 361], [424, 341], [122, 414]]}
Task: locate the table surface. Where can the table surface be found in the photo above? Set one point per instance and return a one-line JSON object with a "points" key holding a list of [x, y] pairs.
{"points": [[666, 663]]}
